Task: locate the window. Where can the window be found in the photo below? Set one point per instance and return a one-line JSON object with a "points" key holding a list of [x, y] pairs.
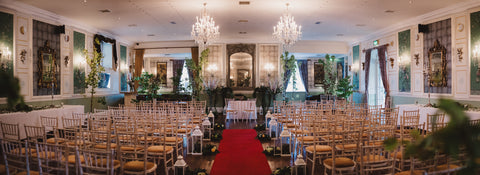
{"points": [[185, 80], [299, 86], [104, 81], [107, 55]]}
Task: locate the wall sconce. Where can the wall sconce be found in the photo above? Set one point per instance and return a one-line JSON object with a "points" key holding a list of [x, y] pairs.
{"points": [[392, 62], [417, 57], [212, 68], [349, 67], [460, 54], [269, 68], [363, 65], [23, 56], [66, 59]]}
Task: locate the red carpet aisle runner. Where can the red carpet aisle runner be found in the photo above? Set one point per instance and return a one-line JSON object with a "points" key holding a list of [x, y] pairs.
{"points": [[240, 153]]}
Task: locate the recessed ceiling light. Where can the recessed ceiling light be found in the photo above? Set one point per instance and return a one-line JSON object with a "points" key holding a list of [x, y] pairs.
{"points": [[243, 20], [318, 22], [132, 25], [389, 11], [243, 33], [105, 11], [243, 2], [360, 25], [151, 35], [339, 34], [173, 22]]}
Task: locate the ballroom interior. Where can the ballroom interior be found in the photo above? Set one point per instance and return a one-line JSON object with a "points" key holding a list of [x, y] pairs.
{"points": [[218, 87]]}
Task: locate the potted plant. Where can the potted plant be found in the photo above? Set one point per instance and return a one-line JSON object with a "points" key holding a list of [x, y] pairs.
{"points": [[96, 68], [344, 89], [330, 80]]}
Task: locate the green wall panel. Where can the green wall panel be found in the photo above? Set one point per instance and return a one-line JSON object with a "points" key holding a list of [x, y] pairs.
{"points": [[79, 63], [123, 69], [475, 45], [404, 72], [6, 42], [356, 67]]}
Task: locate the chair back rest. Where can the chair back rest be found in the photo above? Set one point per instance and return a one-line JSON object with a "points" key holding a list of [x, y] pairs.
{"points": [[10, 131]]}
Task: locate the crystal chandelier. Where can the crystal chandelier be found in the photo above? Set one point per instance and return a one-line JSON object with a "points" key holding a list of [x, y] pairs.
{"points": [[204, 31], [287, 31]]}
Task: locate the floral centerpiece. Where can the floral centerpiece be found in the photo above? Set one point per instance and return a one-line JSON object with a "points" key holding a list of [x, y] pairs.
{"points": [[259, 127]]}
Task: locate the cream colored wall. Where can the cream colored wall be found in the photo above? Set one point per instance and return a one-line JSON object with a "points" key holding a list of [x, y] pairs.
{"points": [[24, 16], [460, 69]]}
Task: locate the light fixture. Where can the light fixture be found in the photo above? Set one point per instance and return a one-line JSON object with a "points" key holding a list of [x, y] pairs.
{"points": [[204, 31], [287, 31], [392, 62]]}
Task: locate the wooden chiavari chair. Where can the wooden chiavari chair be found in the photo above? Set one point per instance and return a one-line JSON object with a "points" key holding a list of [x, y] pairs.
{"points": [[10, 131], [93, 161], [432, 120], [157, 147], [320, 148], [51, 127], [16, 156], [346, 139], [51, 158], [133, 154]]}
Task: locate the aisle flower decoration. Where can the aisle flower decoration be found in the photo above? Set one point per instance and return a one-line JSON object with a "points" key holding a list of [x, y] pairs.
{"points": [[263, 137], [216, 137], [259, 127], [270, 151], [282, 171], [196, 171], [219, 126], [210, 150]]}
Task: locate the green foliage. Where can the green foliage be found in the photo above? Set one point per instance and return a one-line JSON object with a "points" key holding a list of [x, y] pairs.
{"points": [[11, 89], [93, 77], [330, 80], [148, 85], [176, 82], [288, 63], [458, 136], [282, 171], [196, 69], [344, 88]]}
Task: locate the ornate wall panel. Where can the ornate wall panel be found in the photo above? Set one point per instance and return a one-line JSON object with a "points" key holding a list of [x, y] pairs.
{"points": [[356, 66], [442, 32], [123, 69]]}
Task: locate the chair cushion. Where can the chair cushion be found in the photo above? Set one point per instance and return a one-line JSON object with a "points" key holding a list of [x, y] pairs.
{"points": [[103, 162], [52, 140], [104, 146], [158, 149], [130, 148], [43, 155], [444, 167], [399, 155], [182, 130], [137, 166], [346, 146], [340, 162], [415, 172], [23, 150], [306, 138], [172, 139], [300, 132], [318, 148], [71, 159], [370, 158], [146, 138], [31, 173]]}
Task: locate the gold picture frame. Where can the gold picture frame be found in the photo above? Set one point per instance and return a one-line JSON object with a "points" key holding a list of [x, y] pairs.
{"points": [[437, 65], [162, 73], [47, 66]]}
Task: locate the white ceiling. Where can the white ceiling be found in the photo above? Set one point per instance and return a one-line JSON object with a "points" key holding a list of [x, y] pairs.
{"points": [[339, 18]]}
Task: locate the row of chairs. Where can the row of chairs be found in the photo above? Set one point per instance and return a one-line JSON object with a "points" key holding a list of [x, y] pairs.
{"points": [[348, 138]]}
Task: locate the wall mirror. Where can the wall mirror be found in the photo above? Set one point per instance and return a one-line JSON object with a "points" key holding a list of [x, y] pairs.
{"points": [[438, 65], [241, 59], [47, 66]]}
